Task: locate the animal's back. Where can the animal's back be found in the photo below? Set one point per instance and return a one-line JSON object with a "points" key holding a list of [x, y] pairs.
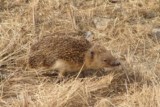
{"points": [[49, 49]]}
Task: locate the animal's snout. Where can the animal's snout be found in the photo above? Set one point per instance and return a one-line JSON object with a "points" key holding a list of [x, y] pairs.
{"points": [[115, 63]]}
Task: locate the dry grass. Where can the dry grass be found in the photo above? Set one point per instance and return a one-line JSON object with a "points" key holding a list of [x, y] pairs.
{"points": [[128, 35]]}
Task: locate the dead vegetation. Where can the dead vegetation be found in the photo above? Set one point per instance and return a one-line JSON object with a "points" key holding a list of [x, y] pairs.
{"points": [[124, 26]]}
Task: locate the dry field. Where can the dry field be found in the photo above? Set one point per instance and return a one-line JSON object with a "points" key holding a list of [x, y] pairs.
{"points": [[128, 27]]}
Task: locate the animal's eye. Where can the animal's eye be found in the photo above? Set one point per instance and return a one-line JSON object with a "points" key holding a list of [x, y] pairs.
{"points": [[92, 54], [105, 60]]}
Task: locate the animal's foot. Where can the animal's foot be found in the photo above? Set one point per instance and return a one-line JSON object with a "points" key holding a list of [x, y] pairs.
{"points": [[50, 73], [60, 77]]}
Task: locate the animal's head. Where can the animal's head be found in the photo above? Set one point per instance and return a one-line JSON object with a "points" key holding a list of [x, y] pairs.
{"points": [[99, 57]]}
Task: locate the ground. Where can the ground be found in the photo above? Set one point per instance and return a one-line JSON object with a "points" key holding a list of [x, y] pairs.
{"points": [[126, 27]]}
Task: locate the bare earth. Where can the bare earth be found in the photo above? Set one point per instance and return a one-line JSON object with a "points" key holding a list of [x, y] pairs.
{"points": [[129, 28]]}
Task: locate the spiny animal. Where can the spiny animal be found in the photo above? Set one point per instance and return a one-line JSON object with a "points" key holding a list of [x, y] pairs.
{"points": [[68, 54]]}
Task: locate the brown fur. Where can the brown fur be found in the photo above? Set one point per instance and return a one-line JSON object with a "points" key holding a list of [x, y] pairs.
{"points": [[66, 54]]}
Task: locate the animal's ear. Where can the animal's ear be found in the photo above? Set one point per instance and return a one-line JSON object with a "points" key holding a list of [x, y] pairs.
{"points": [[89, 36]]}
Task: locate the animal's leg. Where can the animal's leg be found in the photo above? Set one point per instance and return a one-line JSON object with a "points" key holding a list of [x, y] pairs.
{"points": [[61, 67], [61, 75]]}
